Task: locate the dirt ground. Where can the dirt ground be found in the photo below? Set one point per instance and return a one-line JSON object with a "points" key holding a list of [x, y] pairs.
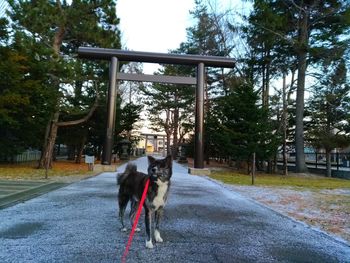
{"points": [[326, 209]]}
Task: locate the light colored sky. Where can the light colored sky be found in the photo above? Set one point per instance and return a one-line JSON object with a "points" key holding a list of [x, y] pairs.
{"points": [[158, 25], [153, 25]]}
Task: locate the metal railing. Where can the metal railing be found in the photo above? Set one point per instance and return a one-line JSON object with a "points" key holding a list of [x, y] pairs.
{"points": [[339, 160]]}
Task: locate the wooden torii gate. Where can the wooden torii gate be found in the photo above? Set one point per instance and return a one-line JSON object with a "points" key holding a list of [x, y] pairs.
{"points": [[116, 55]]}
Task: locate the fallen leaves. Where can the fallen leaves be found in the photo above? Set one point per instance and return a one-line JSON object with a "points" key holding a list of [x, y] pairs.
{"points": [[29, 171]]}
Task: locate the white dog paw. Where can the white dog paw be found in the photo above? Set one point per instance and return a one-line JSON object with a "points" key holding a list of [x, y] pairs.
{"points": [[157, 236], [137, 229], [149, 244], [123, 229]]}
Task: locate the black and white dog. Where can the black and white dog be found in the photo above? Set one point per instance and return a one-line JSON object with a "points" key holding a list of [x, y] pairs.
{"points": [[132, 184]]}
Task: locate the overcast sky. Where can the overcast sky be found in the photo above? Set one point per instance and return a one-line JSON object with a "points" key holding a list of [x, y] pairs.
{"points": [[154, 25], [158, 25]]}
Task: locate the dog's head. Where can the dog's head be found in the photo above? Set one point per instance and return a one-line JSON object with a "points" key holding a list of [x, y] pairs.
{"points": [[160, 168]]}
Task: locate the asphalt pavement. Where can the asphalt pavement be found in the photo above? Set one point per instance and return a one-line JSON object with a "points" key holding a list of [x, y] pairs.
{"points": [[203, 222]]}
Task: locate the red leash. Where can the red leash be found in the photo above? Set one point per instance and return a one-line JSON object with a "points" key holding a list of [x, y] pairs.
{"points": [[139, 209]]}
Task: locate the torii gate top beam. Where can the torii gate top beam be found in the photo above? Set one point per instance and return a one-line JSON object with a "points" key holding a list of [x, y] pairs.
{"points": [[115, 55], [151, 57]]}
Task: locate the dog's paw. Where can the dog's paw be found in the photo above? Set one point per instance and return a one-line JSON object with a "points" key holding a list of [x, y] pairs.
{"points": [[157, 236], [123, 229], [149, 244], [137, 229]]}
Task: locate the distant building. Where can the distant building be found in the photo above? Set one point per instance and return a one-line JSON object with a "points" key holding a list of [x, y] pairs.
{"points": [[153, 143]]}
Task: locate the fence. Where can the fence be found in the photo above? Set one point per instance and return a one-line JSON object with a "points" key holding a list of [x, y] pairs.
{"points": [[339, 161], [316, 163], [27, 156]]}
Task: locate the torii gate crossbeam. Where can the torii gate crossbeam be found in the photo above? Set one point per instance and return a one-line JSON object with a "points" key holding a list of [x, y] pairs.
{"points": [[116, 55]]}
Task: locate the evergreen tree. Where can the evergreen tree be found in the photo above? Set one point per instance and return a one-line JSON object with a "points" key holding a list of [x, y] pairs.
{"points": [[269, 50], [329, 108], [314, 32], [208, 36], [63, 27], [25, 103], [244, 125], [318, 27]]}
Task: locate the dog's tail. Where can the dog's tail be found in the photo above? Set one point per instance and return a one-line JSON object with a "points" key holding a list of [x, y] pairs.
{"points": [[130, 168]]}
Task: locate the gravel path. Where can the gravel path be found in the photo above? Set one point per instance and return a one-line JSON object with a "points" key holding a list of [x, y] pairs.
{"points": [[204, 222]]}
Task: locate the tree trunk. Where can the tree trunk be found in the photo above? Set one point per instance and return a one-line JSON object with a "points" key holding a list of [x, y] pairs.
{"points": [[80, 149], [41, 163], [175, 134], [285, 125], [269, 166], [328, 163], [274, 164], [168, 132], [302, 65], [263, 92], [253, 169], [71, 152], [98, 155], [49, 144], [266, 79], [168, 146], [46, 156], [267, 82], [51, 130]]}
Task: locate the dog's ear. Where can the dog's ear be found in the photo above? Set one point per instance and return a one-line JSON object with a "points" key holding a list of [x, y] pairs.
{"points": [[169, 161], [151, 159]]}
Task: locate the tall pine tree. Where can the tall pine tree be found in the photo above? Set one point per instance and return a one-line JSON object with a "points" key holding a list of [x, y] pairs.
{"points": [[62, 27], [329, 108]]}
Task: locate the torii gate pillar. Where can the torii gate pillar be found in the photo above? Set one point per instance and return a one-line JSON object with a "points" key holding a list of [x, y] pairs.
{"points": [[111, 111], [199, 118], [113, 55]]}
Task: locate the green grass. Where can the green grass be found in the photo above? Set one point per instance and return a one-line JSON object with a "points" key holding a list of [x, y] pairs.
{"points": [[315, 182]]}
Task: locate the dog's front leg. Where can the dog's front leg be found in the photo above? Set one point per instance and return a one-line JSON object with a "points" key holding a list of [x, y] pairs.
{"points": [[148, 221], [157, 236]]}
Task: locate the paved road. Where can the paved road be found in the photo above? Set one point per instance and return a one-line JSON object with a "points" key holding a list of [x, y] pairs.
{"points": [[204, 222]]}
